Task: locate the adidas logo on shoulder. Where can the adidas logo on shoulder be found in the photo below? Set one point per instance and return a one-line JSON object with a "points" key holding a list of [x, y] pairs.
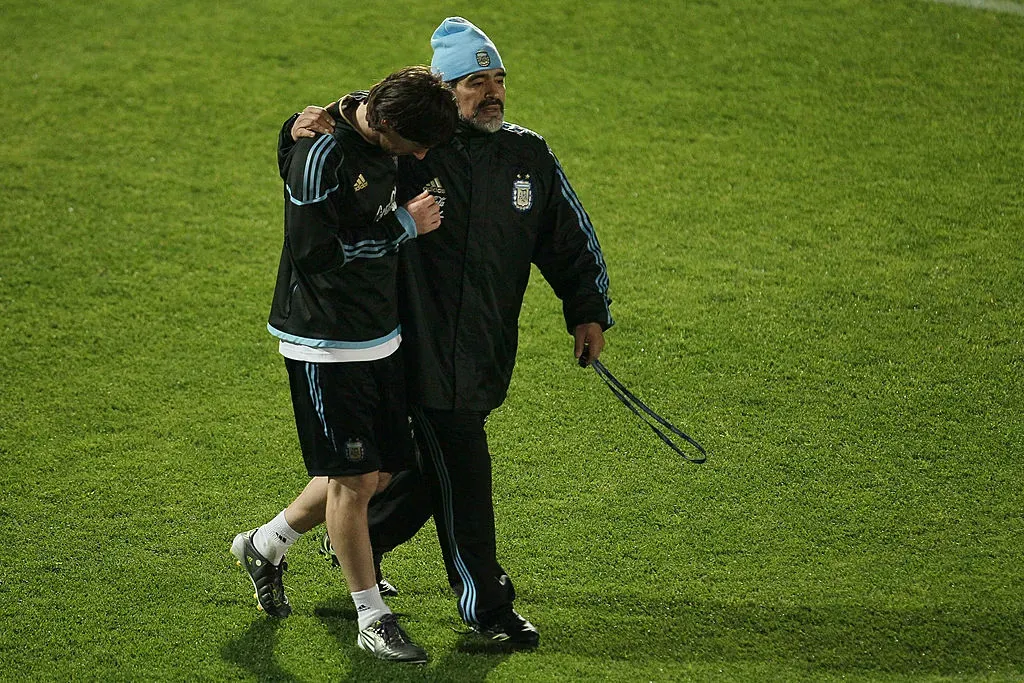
{"points": [[360, 183]]}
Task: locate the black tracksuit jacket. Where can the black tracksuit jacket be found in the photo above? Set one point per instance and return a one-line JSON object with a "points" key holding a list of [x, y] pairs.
{"points": [[337, 283], [506, 204]]}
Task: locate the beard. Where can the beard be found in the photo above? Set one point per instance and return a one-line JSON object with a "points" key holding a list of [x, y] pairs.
{"points": [[489, 124]]}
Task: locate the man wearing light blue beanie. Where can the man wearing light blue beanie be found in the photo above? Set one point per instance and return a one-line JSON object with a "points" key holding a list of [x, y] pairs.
{"points": [[507, 204], [468, 61]]}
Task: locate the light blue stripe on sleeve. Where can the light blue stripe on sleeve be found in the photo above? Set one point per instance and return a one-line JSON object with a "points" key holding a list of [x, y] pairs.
{"points": [[299, 202], [373, 249], [312, 176], [309, 170], [320, 163], [588, 229]]}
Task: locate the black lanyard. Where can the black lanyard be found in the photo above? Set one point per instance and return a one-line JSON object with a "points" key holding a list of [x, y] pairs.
{"points": [[636, 405]]}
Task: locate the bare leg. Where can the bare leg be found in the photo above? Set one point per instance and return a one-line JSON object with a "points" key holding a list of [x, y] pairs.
{"points": [[308, 510], [347, 500]]}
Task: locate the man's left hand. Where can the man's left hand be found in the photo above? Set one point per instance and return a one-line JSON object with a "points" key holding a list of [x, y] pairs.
{"points": [[312, 120], [589, 337]]}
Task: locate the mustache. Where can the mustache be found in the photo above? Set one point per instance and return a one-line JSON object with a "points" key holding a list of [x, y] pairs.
{"points": [[491, 102]]}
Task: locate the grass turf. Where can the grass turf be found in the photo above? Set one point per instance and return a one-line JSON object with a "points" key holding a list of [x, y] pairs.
{"points": [[812, 213]]}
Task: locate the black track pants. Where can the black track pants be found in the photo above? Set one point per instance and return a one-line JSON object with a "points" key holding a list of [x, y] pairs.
{"points": [[455, 466], [399, 511]]}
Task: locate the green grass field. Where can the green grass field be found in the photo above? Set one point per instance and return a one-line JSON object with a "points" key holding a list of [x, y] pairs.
{"points": [[813, 216]]}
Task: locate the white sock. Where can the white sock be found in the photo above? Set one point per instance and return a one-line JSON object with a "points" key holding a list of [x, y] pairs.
{"points": [[369, 606], [273, 539]]}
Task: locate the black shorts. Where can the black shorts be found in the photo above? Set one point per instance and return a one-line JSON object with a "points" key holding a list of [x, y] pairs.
{"points": [[351, 417]]}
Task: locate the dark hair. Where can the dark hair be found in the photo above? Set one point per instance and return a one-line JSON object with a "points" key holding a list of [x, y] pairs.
{"points": [[415, 103]]}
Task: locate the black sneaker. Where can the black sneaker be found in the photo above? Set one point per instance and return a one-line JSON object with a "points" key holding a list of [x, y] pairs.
{"points": [[386, 640], [265, 577], [326, 551], [383, 585], [510, 628]]}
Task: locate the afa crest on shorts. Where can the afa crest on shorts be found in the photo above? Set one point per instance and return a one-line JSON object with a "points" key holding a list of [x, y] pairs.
{"points": [[354, 450], [522, 192]]}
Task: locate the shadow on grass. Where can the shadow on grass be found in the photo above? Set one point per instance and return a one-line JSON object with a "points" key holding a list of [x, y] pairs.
{"points": [[832, 638], [253, 651], [470, 662]]}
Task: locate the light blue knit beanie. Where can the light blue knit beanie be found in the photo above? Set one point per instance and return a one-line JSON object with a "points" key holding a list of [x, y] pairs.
{"points": [[460, 48]]}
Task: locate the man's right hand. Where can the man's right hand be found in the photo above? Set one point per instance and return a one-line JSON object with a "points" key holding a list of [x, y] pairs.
{"points": [[311, 121], [424, 210]]}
